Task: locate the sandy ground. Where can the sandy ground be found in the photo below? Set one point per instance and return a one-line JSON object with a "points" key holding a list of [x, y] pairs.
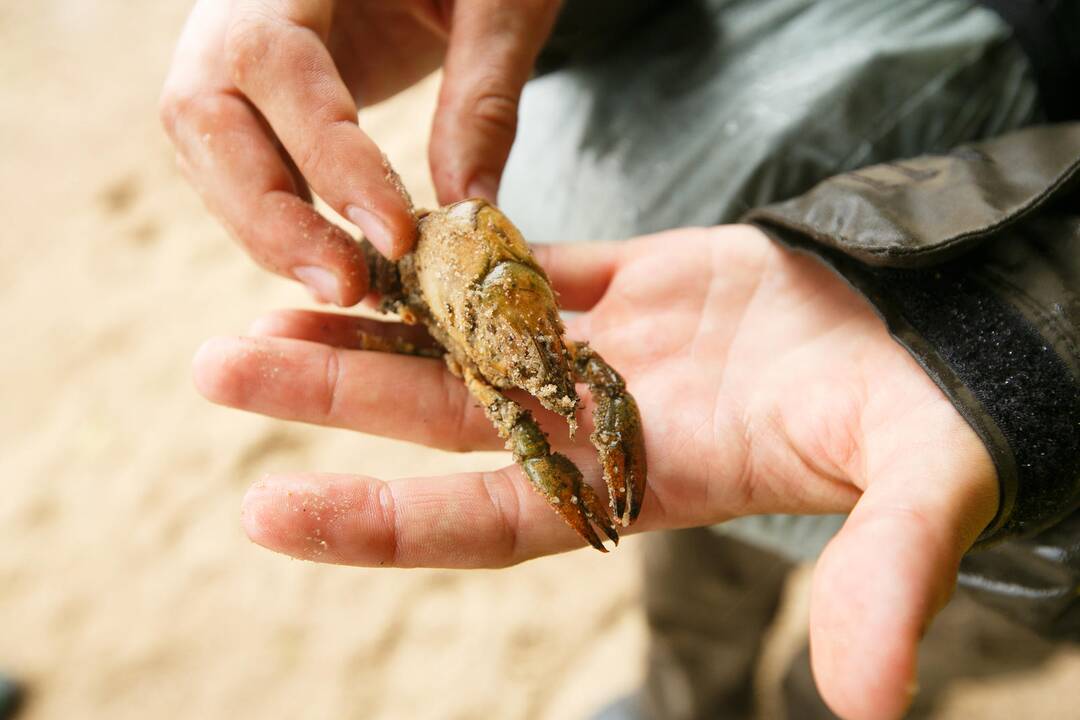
{"points": [[127, 589]]}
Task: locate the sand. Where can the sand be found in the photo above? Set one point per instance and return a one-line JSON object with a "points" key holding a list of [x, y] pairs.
{"points": [[127, 589]]}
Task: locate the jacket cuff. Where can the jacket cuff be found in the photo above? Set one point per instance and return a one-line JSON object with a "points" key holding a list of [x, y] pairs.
{"points": [[1000, 373], [973, 262]]}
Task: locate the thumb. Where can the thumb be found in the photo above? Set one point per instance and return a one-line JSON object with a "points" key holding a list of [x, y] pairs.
{"points": [[491, 52], [893, 566]]}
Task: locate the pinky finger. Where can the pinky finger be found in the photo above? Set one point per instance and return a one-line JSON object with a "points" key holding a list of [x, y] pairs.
{"points": [[472, 520], [348, 332]]}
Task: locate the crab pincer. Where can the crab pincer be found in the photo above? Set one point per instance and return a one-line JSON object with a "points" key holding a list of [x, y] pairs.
{"points": [[617, 436], [553, 475]]}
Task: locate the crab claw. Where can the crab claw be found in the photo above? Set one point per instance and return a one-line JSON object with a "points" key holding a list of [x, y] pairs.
{"points": [[560, 481], [552, 474], [622, 454], [617, 438]]}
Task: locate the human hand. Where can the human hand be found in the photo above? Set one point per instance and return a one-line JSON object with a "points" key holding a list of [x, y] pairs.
{"points": [[261, 103], [766, 385]]}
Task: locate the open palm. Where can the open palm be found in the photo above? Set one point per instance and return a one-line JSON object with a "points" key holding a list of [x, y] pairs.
{"points": [[765, 385]]}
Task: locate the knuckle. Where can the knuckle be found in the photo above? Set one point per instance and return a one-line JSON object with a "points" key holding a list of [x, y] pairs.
{"points": [[195, 112], [248, 41], [495, 111], [310, 158], [506, 512]]}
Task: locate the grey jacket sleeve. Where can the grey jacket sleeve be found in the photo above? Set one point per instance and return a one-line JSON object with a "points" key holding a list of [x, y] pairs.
{"points": [[973, 261]]}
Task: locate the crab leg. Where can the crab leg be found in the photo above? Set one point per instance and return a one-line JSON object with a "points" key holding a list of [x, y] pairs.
{"points": [[617, 433], [553, 475]]}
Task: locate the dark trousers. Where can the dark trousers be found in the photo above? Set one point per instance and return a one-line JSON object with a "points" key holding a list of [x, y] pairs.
{"points": [[710, 601]]}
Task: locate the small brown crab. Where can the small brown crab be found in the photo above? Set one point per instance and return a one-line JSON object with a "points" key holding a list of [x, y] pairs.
{"points": [[474, 284]]}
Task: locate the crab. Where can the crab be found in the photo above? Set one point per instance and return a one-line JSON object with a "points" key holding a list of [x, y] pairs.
{"points": [[474, 284]]}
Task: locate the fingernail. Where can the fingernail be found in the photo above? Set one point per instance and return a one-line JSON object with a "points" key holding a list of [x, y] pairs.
{"points": [[372, 227], [253, 515], [484, 185], [322, 283]]}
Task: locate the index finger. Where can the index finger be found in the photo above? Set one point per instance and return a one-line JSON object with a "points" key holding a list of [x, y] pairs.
{"points": [[278, 59], [225, 150]]}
